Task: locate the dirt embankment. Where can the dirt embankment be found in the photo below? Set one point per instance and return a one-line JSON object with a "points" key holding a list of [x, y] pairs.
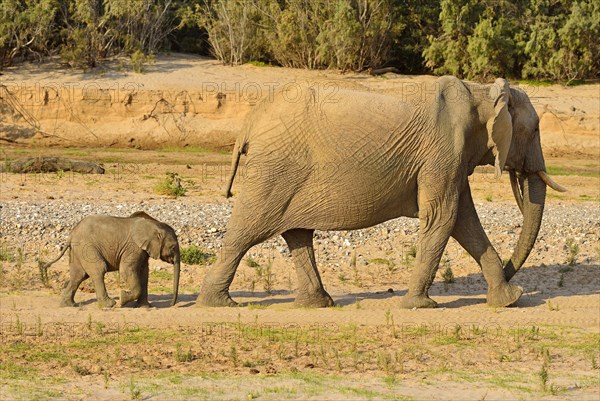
{"points": [[190, 101]]}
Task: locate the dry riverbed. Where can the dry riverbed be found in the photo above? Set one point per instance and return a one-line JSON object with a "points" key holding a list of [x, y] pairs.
{"points": [[547, 347]]}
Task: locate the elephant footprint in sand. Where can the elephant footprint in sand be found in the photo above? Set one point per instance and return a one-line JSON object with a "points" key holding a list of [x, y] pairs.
{"points": [[100, 244], [352, 159]]}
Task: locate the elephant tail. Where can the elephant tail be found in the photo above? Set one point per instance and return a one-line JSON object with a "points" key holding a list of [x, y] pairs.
{"points": [[53, 261], [240, 148]]}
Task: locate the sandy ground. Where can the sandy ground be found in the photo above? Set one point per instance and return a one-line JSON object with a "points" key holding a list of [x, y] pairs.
{"points": [[547, 347]]}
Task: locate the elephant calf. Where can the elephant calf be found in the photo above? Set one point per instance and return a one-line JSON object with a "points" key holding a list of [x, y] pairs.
{"points": [[101, 244]]}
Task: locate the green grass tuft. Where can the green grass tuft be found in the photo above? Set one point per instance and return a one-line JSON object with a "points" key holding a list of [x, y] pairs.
{"points": [[170, 186], [195, 255]]}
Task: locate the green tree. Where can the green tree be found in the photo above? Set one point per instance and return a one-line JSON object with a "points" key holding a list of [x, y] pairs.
{"points": [[339, 39], [141, 24], [478, 39], [420, 20], [446, 53], [26, 28], [232, 26], [563, 44], [491, 49], [87, 39], [294, 30]]}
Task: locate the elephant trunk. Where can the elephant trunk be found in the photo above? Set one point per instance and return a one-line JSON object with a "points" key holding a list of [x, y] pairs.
{"points": [[533, 191], [176, 269]]}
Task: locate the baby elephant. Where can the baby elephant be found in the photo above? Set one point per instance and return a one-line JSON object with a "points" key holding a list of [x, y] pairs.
{"points": [[101, 244]]}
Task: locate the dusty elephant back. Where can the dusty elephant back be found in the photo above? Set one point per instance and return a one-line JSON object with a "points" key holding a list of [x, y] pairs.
{"points": [[317, 153], [326, 120]]}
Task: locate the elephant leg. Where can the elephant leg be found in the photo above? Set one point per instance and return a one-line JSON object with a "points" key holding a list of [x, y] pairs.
{"points": [[310, 288], [215, 288], [471, 236], [437, 216], [247, 227], [77, 276], [132, 276], [142, 300], [96, 271]]}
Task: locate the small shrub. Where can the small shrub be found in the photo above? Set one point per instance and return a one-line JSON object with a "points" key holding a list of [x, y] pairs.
{"points": [[489, 197], [170, 186], [183, 356], [268, 278], [264, 274], [134, 391], [543, 375], [81, 370], [251, 262], [233, 355], [573, 250], [5, 254], [139, 60], [195, 255], [106, 378], [381, 261], [412, 251], [448, 275]]}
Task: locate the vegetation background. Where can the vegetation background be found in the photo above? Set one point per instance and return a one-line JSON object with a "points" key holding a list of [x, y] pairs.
{"points": [[523, 39]]}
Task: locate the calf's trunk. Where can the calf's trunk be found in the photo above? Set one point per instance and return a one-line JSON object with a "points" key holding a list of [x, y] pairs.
{"points": [[176, 269]]}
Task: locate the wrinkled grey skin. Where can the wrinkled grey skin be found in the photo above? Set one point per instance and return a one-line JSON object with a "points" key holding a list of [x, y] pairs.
{"points": [[350, 160], [100, 244]]}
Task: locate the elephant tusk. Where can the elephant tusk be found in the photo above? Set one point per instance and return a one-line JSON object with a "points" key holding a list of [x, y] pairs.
{"points": [[517, 192], [550, 182]]}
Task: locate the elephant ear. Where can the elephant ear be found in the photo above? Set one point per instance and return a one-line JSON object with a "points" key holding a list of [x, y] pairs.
{"points": [[499, 126], [147, 236]]}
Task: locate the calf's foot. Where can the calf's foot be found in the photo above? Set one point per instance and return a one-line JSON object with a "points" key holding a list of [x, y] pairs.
{"points": [[106, 303], [143, 304], [67, 302]]}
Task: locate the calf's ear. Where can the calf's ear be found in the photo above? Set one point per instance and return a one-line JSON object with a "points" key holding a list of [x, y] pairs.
{"points": [[147, 236]]}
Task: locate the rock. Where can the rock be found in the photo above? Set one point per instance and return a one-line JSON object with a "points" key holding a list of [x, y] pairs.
{"points": [[50, 165]]}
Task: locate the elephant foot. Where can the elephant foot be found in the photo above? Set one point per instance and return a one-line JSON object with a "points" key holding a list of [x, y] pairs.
{"points": [[503, 295], [126, 297], [320, 299], [67, 303], [417, 301], [215, 299], [143, 304], [106, 303]]}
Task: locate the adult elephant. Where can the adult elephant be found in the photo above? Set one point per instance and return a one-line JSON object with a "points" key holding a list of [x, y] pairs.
{"points": [[101, 244], [350, 160]]}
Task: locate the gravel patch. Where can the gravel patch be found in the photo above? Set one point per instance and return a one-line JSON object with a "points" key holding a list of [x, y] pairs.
{"points": [[47, 224]]}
